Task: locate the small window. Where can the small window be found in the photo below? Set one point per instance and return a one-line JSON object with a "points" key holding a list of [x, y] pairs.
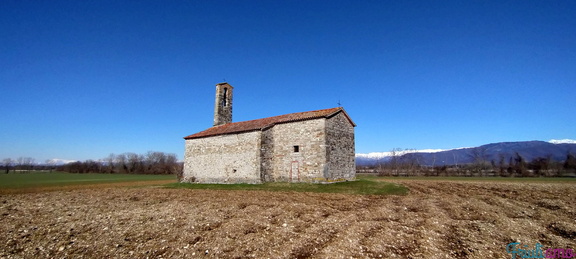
{"points": [[296, 149]]}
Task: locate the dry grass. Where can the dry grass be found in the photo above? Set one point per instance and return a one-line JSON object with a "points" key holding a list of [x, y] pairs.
{"points": [[438, 219]]}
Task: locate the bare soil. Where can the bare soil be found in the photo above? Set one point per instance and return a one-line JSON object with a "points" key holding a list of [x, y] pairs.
{"points": [[438, 219]]}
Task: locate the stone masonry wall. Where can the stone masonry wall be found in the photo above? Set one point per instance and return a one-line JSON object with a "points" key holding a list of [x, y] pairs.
{"points": [[340, 148], [282, 163], [233, 158], [267, 155]]}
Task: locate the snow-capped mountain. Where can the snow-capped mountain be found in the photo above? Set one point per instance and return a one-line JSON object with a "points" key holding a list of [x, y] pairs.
{"points": [[554, 149], [378, 157], [58, 161], [562, 141]]}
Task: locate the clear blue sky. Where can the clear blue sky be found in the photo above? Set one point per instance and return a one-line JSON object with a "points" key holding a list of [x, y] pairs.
{"points": [[83, 79]]}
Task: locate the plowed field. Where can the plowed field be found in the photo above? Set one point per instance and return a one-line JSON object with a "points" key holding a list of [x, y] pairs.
{"points": [[438, 219]]}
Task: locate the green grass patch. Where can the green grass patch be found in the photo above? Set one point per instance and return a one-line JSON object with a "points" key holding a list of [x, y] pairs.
{"points": [[362, 185], [36, 179], [464, 178]]}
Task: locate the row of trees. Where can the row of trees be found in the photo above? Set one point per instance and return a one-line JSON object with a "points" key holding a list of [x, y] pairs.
{"points": [[21, 164], [152, 162], [514, 166]]}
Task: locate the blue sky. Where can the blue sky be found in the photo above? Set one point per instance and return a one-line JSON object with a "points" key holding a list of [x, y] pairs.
{"points": [[83, 79]]}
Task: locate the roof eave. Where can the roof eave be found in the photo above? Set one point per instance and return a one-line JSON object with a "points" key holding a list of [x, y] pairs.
{"points": [[220, 134]]}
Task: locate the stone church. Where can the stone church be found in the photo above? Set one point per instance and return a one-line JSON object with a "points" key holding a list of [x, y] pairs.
{"points": [[314, 146]]}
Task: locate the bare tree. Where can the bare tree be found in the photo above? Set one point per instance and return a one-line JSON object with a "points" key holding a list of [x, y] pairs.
{"points": [[479, 158], [501, 165], [7, 163], [25, 163], [160, 163], [135, 162], [570, 163], [433, 168], [394, 162], [50, 163], [455, 160], [540, 165], [520, 165], [410, 162], [122, 163], [110, 162]]}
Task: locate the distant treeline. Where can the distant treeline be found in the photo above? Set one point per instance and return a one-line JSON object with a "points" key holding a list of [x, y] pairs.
{"points": [[152, 162], [21, 164], [516, 166]]}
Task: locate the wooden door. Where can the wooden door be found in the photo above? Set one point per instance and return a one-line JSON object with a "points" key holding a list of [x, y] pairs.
{"points": [[295, 172]]}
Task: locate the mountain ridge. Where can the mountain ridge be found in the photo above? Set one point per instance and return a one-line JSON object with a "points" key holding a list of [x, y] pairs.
{"points": [[556, 150]]}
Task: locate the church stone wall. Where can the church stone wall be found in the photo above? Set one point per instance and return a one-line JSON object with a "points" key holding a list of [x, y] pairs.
{"points": [[340, 148], [233, 158], [267, 155], [281, 162]]}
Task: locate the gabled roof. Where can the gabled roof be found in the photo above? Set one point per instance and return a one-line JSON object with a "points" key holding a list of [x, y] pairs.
{"points": [[261, 124]]}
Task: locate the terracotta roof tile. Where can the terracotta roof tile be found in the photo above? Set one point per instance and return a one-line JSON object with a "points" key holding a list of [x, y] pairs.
{"points": [[260, 124]]}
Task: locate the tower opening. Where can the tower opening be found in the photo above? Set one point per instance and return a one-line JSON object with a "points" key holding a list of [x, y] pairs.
{"points": [[224, 103]]}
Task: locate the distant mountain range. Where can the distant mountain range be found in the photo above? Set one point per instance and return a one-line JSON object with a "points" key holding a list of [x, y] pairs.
{"points": [[58, 161], [555, 149]]}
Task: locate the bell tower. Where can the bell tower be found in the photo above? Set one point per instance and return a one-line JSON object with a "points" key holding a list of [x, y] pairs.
{"points": [[223, 104]]}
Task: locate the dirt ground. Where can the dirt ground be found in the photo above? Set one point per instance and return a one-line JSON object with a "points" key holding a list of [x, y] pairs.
{"points": [[438, 219]]}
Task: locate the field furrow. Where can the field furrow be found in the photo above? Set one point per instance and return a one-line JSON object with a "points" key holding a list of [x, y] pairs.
{"points": [[438, 219]]}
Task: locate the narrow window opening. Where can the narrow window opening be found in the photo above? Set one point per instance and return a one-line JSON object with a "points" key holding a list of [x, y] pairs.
{"points": [[296, 149], [224, 97]]}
